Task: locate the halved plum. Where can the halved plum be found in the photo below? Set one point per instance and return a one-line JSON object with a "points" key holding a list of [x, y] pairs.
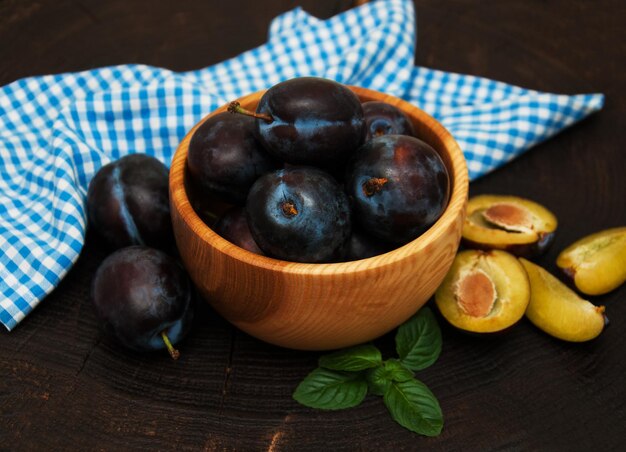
{"points": [[517, 225], [484, 291], [557, 310], [596, 263]]}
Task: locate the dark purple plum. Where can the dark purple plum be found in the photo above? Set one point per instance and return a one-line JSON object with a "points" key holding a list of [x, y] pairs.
{"points": [[382, 118], [299, 214], [128, 203], [142, 298], [362, 246], [398, 186], [208, 208], [225, 158], [309, 121], [233, 226]]}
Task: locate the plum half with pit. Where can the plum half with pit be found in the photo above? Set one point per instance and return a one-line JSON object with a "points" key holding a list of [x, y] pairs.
{"points": [[299, 214], [399, 186], [225, 158], [518, 225], [309, 121], [382, 118], [128, 203], [484, 292], [143, 299]]}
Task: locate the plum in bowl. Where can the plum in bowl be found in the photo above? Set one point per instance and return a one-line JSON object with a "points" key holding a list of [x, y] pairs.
{"points": [[321, 306]]}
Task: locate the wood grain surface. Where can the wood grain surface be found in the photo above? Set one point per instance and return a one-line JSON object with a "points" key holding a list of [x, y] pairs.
{"points": [[65, 387]]}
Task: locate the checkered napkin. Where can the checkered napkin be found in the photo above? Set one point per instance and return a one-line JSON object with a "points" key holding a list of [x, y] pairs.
{"points": [[56, 131]]}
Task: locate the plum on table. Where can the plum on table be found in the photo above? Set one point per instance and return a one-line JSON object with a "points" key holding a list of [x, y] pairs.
{"points": [[557, 310], [128, 203], [143, 299], [596, 263], [511, 223], [484, 292]]}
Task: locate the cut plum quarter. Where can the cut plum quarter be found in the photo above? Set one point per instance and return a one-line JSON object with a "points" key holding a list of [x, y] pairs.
{"points": [[510, 223], [557, 310], [484, 292], [596, 263]]}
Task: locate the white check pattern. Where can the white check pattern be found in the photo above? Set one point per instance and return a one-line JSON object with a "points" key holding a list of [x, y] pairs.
{"points": [[56, 131]]}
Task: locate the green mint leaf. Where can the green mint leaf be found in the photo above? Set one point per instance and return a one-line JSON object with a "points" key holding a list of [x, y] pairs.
{"points": [[418, 340], [330, 390], [380, 378], [397, 371], [353, 359], [414, 407], [378, 381]]}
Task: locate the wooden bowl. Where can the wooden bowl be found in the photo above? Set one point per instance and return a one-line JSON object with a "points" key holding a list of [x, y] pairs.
{"points": [[321, 306]]}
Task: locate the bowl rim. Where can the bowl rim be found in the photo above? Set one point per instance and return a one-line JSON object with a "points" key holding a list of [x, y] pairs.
{"points": [[455, 208]]}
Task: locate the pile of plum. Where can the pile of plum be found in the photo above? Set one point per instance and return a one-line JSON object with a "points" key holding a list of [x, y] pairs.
{"points": [[316, 176], [312, 176], [141, 294]]}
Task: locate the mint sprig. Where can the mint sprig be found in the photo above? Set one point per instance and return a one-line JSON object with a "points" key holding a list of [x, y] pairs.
{"points": [[380, 378], [345, 377]]}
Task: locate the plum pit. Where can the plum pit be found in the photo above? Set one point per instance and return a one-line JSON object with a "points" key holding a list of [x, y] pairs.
{"points": [[475, 293]]}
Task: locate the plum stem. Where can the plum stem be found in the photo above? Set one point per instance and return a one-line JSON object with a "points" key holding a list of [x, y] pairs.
{"points": [[235, 107], [175, 354], [379, 132], [373, 185], [289, 209]]}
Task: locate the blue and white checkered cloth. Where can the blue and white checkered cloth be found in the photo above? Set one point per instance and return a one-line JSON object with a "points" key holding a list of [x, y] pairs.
{"points": [[56, 131]]}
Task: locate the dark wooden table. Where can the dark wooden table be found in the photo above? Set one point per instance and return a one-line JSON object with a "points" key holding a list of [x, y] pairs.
{"points": [[64, 386]]}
